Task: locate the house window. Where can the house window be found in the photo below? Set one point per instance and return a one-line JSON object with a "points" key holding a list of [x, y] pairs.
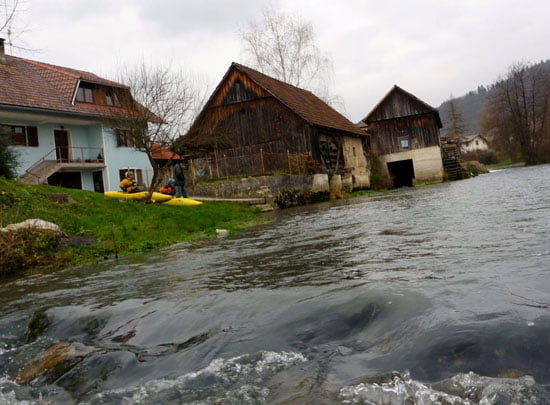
{"points": [[404, 142], [126, 138], [85, 94], [111, 99], [477, 143], [136, 173], [22, 135]]}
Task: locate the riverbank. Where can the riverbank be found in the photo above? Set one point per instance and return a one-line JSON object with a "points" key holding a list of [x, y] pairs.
{"points": [[98, 228]]}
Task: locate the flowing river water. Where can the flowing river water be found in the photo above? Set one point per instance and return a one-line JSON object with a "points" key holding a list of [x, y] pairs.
{"points": [[437, 293]]}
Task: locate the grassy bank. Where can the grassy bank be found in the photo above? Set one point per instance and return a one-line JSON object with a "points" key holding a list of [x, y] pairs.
{"points": [[104, 228]]}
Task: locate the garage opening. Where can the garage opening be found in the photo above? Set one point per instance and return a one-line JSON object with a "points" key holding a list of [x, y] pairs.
{"points": [[66, 179], [402, 173]]}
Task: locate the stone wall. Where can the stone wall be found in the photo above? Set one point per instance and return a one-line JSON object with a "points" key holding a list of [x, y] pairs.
{"points": [[269, 187]]}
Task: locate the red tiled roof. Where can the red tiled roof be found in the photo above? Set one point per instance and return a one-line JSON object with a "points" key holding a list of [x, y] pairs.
{"points": [[32, 84], [304, 103], [162, 152]]}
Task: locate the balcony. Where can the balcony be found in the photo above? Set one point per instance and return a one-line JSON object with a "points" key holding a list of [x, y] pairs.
{"points": [[63, 157]]}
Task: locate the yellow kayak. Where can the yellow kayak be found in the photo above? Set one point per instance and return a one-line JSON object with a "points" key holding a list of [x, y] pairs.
{"points": [[156, 197], [187, 202]]}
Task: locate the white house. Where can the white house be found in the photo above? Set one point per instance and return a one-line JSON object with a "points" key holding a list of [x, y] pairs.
{"points": [[58, 119], [474, 143]]}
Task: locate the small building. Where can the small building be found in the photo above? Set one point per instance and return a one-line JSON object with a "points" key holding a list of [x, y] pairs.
{"points": [[473, 144], [405, 137], [60, 120], [254, 124]]}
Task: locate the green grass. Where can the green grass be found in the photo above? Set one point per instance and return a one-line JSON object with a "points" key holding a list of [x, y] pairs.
{"points": [[371, 193], [502, 163], [118, 227]]}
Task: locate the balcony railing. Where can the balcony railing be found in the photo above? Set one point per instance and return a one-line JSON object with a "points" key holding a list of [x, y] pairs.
{"points": [[70, 154]]}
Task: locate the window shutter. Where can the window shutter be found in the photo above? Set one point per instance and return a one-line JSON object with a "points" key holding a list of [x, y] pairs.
{"points": [[32, 136]]}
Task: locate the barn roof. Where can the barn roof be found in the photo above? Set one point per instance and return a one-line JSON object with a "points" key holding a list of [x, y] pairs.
{"points": [[420, 107], [302, 102]]}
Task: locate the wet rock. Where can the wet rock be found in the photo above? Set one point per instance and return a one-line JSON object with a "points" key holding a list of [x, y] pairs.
{"points": [[38, 324], [54, 362], [124, 337], [36, 224], [222, 233]]}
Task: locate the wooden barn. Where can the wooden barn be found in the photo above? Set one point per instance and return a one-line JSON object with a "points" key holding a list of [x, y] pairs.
{"points": [[253, 124], [404, 133]]}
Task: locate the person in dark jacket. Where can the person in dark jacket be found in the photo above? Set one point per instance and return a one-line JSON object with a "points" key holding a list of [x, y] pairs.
{"points": [[179, 177]]}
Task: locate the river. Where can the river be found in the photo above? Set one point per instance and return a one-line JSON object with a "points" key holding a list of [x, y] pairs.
{"points": [[435, 293]]}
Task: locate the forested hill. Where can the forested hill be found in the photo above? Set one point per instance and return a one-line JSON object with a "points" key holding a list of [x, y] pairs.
{"points": [[470, 106]]}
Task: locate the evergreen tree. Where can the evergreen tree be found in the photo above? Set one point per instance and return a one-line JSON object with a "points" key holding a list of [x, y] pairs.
{"points": [[456, 120], [8, 158]]}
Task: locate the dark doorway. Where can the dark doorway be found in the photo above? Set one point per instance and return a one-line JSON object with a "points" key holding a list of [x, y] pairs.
{"points": [[66, 179], [402, 172], [98, 182], [61, 145]]}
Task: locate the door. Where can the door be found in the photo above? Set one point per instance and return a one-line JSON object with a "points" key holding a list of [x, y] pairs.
{"points": [[402, 172], [98, 181], [61, 145]]}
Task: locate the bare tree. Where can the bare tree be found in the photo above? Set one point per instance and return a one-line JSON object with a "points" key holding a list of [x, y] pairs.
{"points": [[9, 12], [517, 109], [283, 46], [159, 110], [456, 120]]}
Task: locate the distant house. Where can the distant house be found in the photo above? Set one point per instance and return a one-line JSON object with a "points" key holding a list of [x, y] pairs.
{"points": [[405, 137], [263, 125], [59, 118], [473, 144]]}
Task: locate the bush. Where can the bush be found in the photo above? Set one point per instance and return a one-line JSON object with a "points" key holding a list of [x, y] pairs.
{"points": [[25, 248], [8, 158], [488, 157], [379, 178]]}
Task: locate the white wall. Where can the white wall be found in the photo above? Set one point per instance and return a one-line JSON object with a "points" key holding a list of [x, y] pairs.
{"points": [[427, 162]]}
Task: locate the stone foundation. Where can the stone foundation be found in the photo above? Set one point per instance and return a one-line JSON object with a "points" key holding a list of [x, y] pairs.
{"points": [[308, 188]]}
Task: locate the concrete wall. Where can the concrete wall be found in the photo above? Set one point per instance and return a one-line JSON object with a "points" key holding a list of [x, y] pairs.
{"points": [[427, 163]]}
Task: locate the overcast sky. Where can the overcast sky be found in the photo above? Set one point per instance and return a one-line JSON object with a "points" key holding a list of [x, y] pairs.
{"points": [[431, 48]]}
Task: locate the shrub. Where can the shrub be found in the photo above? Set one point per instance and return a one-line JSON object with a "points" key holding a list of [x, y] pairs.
{"points": [[488, 157], [379, 177], [8, 158], [25, 248]]}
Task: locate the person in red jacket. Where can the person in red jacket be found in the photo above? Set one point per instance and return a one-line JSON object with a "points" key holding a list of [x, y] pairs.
{"points": [[169, 188]]}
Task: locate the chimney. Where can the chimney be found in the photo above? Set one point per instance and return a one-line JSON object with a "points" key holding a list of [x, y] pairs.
{"points": [[2, 51]]}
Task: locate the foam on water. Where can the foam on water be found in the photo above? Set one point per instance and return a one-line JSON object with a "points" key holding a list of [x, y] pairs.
{"points": [[462, 389], [236, 380]]}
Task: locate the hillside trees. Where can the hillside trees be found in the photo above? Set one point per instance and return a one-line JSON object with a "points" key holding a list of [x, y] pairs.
{"points": [[517, 110], [283, 46], [161, 106], [457, 125]]}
